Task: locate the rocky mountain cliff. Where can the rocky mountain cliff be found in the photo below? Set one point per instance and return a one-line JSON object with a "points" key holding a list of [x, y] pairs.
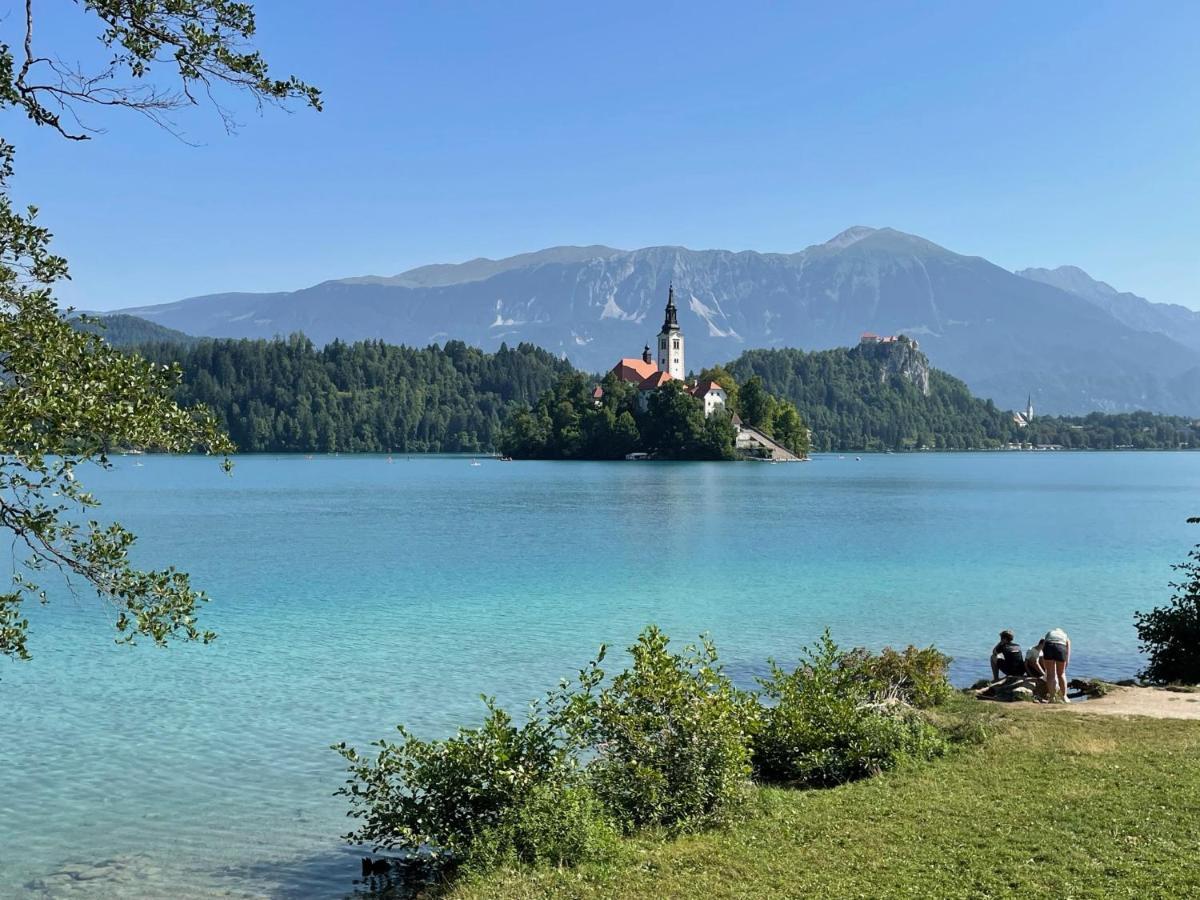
{"points": [[899, 358], [1005, 335]]}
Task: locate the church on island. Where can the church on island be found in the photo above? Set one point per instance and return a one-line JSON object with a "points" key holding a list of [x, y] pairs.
{"points": [[650, 376]]}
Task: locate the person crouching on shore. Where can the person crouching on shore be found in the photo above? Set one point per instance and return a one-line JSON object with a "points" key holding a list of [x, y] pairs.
{"points": [[1006, 657], [1033, 660], [1056, 654]]}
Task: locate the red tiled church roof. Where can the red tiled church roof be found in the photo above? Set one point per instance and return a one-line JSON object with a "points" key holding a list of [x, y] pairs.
{"points": [[634, 369], [704, 387], [655, 381]]}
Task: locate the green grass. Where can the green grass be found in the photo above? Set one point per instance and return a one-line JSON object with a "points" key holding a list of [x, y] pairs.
{"points": [[1055, 806]]}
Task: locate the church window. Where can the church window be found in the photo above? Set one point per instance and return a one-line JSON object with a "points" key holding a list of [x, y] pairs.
{"points": [[676, 345]]}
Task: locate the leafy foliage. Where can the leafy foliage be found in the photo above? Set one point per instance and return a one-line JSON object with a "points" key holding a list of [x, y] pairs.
{"points": [[201, 41], [826, 722], [670, 737], [852, 402], [66, 397], [498, 779], [756, 406], [917, 676], [569, 422], [370, 396], [668, 744], [673, 427], [1170, 635], [851, 405], [288, 396], [1114, 431], [557, 825], [947, 831]]}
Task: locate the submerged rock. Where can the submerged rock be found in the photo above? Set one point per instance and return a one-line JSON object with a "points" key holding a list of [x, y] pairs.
{"points": [[375, 866]]}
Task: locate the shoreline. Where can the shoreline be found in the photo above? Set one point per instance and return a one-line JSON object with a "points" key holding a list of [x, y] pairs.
{"points": [[813, 456]]}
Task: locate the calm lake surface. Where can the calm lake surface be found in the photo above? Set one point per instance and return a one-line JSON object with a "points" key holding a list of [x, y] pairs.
{"points": [[351, 594]]}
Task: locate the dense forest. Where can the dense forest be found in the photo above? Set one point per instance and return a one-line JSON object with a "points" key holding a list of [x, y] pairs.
{"points": [[850, 405], [1114, 431], [570, 422], [287, 395], [121, 330], [852, 402]]}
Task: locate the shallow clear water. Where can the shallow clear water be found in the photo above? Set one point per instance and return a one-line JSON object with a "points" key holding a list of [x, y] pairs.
{"points": [[351, 595]]}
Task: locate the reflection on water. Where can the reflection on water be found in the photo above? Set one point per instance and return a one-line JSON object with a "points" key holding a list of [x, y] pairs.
{"points": [[352, 595]]}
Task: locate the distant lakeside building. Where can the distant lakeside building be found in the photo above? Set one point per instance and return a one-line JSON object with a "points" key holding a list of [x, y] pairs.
{"points": [[1023, 419]]}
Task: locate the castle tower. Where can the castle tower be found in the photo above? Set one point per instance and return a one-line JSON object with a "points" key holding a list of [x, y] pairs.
{"points": [[670, 341]]}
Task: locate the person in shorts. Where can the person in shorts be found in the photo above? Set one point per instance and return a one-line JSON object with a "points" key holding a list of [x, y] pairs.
{"points": [[1007, 657], [1056, 655]]}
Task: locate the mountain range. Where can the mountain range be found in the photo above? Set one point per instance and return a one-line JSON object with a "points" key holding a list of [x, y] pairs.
{"points": [[1074, 343]]}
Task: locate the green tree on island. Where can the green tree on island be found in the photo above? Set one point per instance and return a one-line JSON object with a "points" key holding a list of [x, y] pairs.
{"points": [[757, 406], [675, 427], [570, 421], [66, 397], [789, 429]]}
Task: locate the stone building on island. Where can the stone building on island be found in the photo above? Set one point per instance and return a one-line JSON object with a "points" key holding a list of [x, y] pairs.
{"points": [[649, 375]]}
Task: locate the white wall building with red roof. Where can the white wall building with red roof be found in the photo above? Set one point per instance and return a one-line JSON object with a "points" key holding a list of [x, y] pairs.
{"points": [[712, 395]]}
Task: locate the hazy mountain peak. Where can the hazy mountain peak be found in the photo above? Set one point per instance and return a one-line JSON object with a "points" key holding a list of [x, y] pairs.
{"points": [[885, 241], [1179, 323], [851, 235], [1071, 278], [444, 274]]}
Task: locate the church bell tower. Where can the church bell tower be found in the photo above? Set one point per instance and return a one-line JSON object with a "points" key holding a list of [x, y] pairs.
{"points": [[670, 341]]}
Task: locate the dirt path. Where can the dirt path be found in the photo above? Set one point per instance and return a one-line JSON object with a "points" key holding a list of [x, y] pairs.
{"points": [[1134, 701]]}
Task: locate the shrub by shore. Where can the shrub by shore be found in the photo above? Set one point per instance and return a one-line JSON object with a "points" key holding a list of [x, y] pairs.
{"points": [[669, 746], [1052, 805]]}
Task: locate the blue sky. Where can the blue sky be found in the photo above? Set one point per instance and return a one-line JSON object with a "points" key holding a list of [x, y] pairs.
{"points": [[1028, 133]]}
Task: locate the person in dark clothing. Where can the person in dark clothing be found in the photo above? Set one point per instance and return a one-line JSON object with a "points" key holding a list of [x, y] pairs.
{"points": [[1007, 657]]}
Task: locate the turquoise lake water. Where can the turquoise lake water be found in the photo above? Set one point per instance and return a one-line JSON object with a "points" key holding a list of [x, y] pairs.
{"points": [[351, 594]]}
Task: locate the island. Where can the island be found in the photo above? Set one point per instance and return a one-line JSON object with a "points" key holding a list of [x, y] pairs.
{"points": [[648, 408]]}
